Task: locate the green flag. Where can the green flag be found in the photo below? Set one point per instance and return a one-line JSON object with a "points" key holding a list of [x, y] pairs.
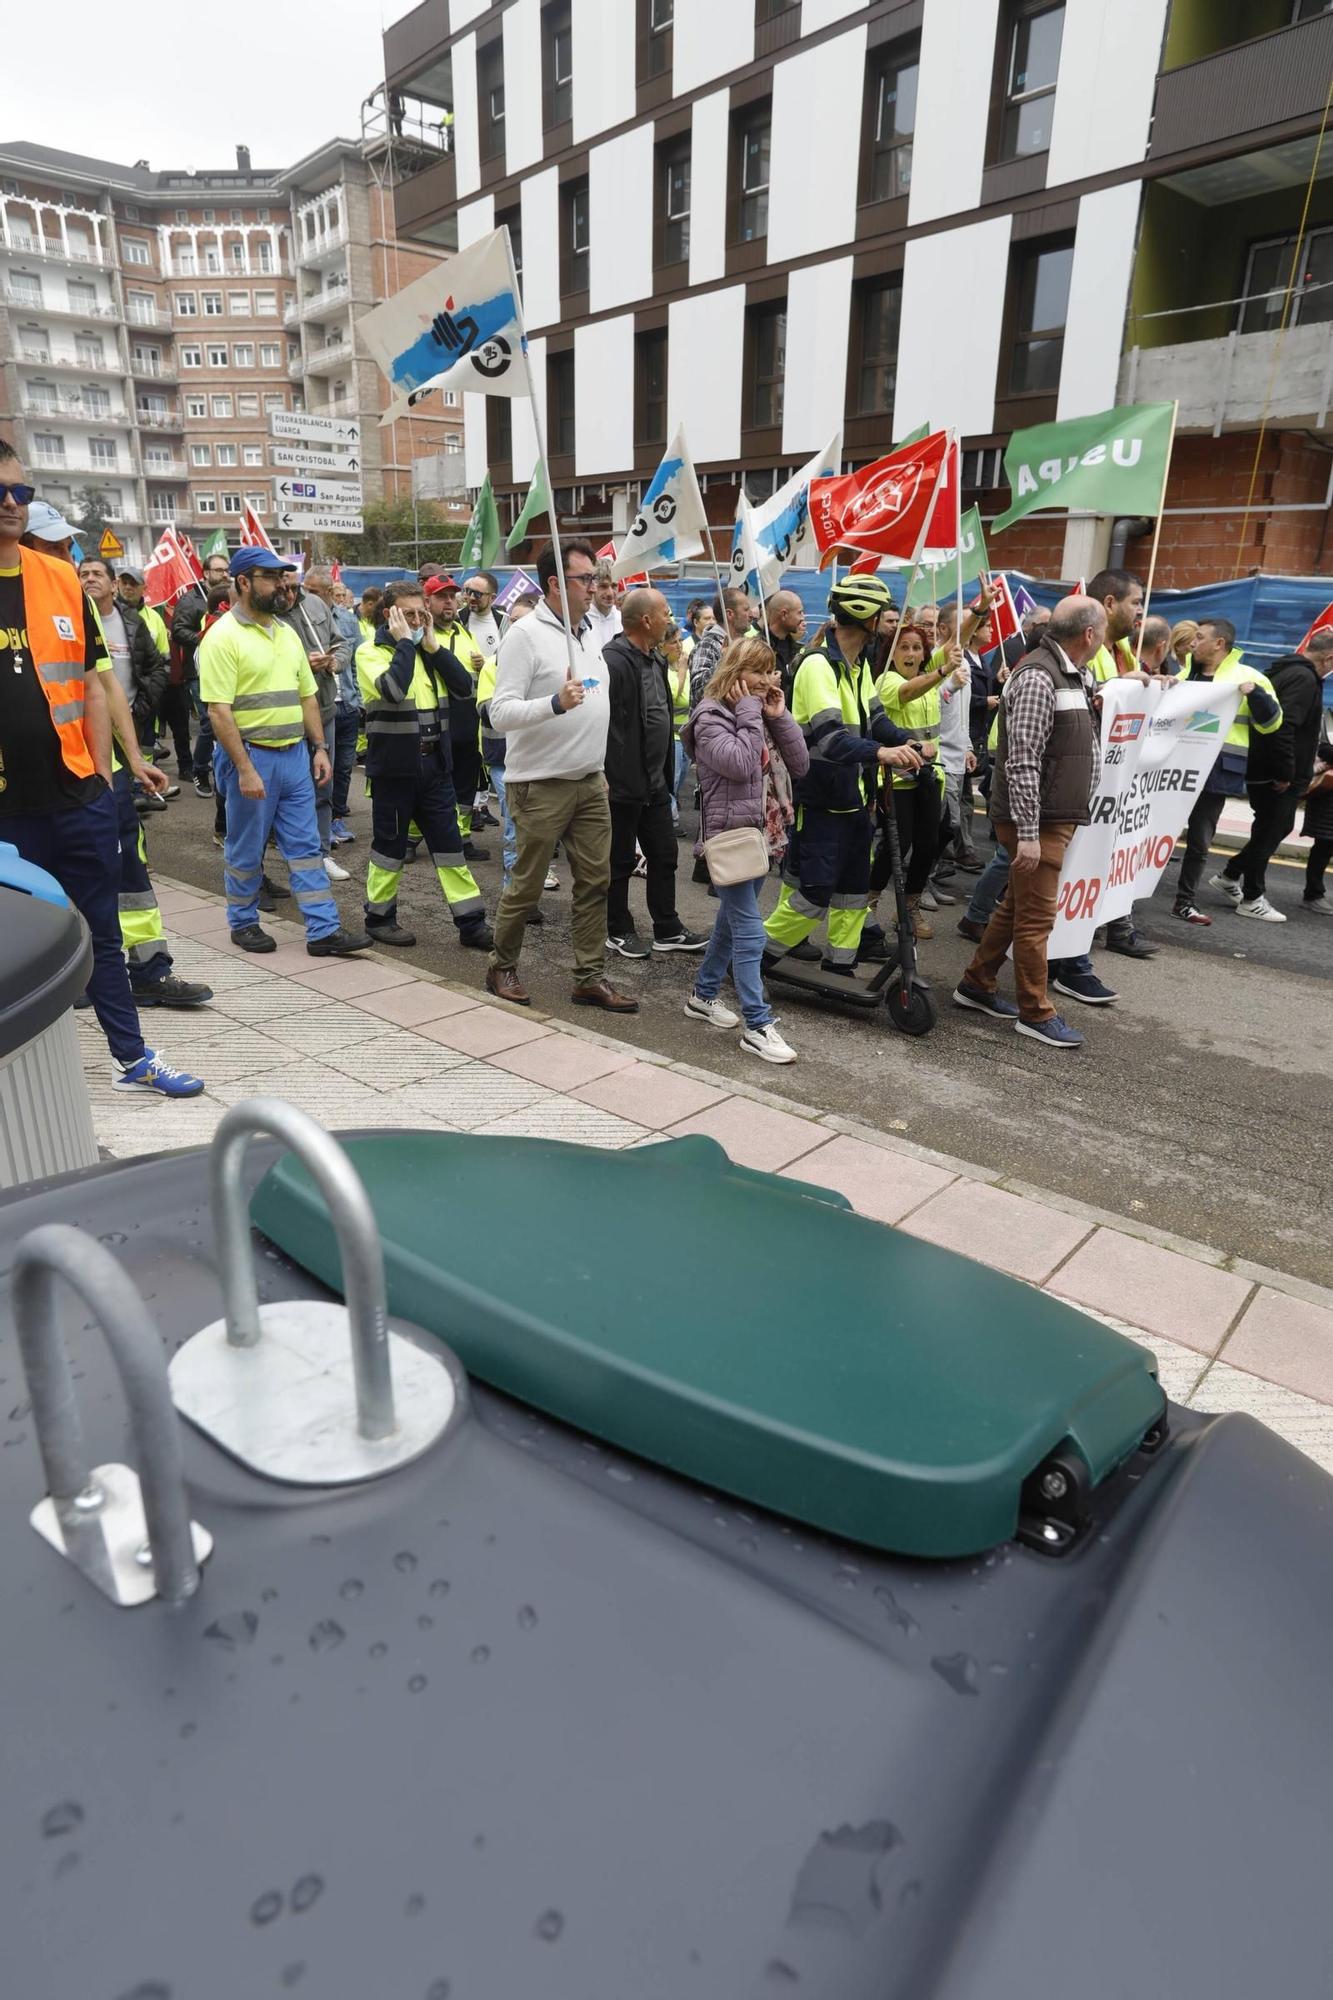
{"points": [[537, 502], [913, 437], [944, 576], [481, 543], [1113, 463], [216, 545]]}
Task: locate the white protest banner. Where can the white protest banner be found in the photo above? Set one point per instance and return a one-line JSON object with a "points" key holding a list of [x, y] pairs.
{"points": [[1158, 746]]}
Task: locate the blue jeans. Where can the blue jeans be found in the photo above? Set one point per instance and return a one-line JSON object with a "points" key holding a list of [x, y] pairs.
{"points": [[509, 841], [346, 728], [324, 793], [678, 778], [287, 811], [989, 886], [738, 942]]}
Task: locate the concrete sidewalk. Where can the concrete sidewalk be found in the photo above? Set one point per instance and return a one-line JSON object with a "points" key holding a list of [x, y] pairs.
{"points": [[367, 1042]]}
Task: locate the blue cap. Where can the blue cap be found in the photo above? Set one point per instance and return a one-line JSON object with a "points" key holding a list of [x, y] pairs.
{"points": [[247, 559]]}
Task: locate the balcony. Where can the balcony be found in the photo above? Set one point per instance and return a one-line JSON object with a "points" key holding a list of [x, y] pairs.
{"points": [[1229, 383], [153, 371], [426, 204], [67, 364], [332, 298], [316, 250], [51, 249], [295, 367], [69, 409], [291, 312], [1272, 85], [76, 461], [146, 316], [19, 300], [160, 420], [329, 355], [174, 469]]}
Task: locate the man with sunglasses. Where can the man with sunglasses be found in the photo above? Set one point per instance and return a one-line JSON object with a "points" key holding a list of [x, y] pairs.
{"points": [[56, 805], [479, 620]]}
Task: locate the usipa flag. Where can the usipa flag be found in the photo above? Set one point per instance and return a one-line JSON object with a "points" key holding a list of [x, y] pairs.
{"points": [[884, 508], [459, 327], [780, 526], [670, 524]]}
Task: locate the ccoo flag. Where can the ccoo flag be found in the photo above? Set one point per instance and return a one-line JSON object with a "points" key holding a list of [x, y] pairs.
{"points": [[1111, 463], [670, 524], [458, 327]]}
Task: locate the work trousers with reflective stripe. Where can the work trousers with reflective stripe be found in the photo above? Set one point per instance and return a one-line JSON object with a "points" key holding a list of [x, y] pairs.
{"points": [[287, 811], [80, 848], [140, 919], [825, 873], [425, 800]]}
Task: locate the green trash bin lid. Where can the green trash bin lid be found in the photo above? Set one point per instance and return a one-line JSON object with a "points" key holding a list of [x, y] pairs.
{"points": [[751, 1333]]}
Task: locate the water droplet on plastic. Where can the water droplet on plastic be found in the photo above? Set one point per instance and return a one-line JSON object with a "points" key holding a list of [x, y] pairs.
{"points": [[549, 1926], [266, 1907], [19, 1412], [188, 1728], [268, 1596], [306, 1892], [897, 1615], [237, 1628], [293, 1974], [527, 1618], [480, 1655], [778, 1973], [909, 1893], [958, 1671], [378, 1650], [621, 1474], [322, 1541], [414, 1906], [416, 1684], [114, 1236], [327, 1634], [479, 1841], [440, 1587], [352, 1589], [405, 1561], [438, 1990], [148, 1989], [748, 1546], [68, 1862], [839, 1883], [67, 1817]]}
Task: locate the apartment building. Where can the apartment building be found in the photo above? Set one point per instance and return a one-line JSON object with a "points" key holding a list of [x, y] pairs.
{"points": [[772, 218], [151, 322]]}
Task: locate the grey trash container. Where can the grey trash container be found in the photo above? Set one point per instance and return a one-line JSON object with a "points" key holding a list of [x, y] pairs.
{"points": [[46, 1121]]}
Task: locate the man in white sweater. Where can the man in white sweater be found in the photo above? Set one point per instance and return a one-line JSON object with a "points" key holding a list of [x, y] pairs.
{"points": [[554, 723]]}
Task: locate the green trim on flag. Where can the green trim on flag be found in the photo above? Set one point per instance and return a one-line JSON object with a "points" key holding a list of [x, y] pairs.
{"points": [[216, 545], [1111, 463], [932, 579], [481, 543], [537, 502]]}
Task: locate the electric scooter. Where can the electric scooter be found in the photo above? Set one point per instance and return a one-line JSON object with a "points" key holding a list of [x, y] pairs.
{"points": [[893, 982]]}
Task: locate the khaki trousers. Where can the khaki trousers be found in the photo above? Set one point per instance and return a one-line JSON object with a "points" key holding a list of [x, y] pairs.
{"points": [[575, 811], [1023, 917]]}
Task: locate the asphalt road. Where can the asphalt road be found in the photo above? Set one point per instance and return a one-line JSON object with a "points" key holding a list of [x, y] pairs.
{"points": [[1200, 1103]]}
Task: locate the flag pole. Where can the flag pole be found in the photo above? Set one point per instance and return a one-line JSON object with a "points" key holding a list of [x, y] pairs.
{"points": [[1156, 537], [539, 433]]}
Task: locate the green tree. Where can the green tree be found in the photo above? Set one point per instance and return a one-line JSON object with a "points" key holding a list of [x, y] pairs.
{"points": [[392, 534], [90, 514]]}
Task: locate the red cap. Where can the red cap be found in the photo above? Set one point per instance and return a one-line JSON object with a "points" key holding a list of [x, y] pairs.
{"points": [[438, 583]]}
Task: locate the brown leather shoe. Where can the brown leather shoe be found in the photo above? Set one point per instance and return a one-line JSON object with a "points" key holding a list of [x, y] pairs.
{"points": [[503, 982], [602, 994]]}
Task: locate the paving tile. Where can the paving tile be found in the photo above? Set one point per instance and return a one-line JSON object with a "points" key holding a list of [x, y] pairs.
{"points": [[290, 958], [312, 1025], [471, 1096], [277, 1000], [1300, 1419], [1006, 1231], [316, 1087], [559, 1117], [1285, 1340], [562, 1062], [178, 902], [129, 1130], [483, 1031], [408, 1006], [1153, 1288], [386, 1059], [751, 1134], [651, 1096], [878, 1183], [347, 978], [209, 920], [1179, 1369]]}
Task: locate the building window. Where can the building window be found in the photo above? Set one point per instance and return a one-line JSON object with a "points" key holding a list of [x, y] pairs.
{"points": [[270, 354], [1031, 70], [89, 351], [238, 305], [257, 502], [231, 503], [146, 360], [266, 305], [196, 406], [94, 402], [162, 507], [217, 354], [656, 38], [143, 309], [185, 266], [24, 290], [102, 452], [227, 454], [491, 99], [48, 450], [210, 215], [1041, 302], [222, 406], [752, 139], [247, 406], [186, 305], [191, 357], [877, 313], [212, 260], [1269, 273], [557, 63], [253, 453], [212, 305], [560, 402], [673, 201], [34, 347], [512, 219], [891, 121], [135, 249], [205, 503], [574, 236], [272, 403], [769, 10], [243, 354], [201, 454], [650, 386], [264, 259], [767, 359], [131, 212]]}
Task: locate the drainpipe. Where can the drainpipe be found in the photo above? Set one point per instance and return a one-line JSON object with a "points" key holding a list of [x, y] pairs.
{"points": [[1126, 529]]}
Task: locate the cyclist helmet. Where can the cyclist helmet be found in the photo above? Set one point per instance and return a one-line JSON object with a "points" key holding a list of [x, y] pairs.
{"points": [[859, 600]]}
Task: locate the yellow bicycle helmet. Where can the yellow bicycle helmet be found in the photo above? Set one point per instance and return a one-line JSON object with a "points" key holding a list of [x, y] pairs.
{"points": [[859, 600]]}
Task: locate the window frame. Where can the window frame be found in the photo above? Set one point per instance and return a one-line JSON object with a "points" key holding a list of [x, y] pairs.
{"points": [[1017, 15], [671, 153], [1020, 339], [889, 283], [560, 394], [894, 58], [135, 250], [232, 503], [648, 343], [239, 350], [190, 355], [224, 415], [215, 348], [758, 318], [557, 92], [760, 118], [200, 454]]}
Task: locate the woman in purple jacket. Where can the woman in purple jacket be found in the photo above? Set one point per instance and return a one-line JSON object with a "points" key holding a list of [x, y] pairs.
{"points": [[741, 719]]}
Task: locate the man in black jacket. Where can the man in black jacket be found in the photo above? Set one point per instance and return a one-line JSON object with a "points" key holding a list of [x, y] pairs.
{"points": [[1281, 764], [640, 766], [187, 629]]}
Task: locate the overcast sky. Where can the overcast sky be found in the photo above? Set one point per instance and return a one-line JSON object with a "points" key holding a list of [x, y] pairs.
{"points": [[183, 86]]}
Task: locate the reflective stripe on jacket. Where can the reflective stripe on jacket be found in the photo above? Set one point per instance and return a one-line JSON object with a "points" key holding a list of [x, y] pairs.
{"points": [[53, 613]]}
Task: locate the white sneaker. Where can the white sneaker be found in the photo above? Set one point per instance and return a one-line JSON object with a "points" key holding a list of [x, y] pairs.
{"points": [[768, 1045], [335, 871], [552, 880], [711, 1011], [1231, 890], [1262, 909]]}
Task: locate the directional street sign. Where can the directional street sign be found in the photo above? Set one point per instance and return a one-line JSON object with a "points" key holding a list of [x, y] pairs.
{"points": [[299, 521], [339, 493], [311, 458], [325, 430]]}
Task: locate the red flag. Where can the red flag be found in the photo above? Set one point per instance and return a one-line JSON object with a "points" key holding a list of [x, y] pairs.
{"points": [[865, 565], [336, 570], [191, 556], [1321, 624], [167, 572], [252, 532], [1004, 617], [945, 523], [607, 553], [885, 507]]}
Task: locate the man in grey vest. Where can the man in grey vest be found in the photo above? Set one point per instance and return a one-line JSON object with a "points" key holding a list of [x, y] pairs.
{"points": [[1047, 763]]}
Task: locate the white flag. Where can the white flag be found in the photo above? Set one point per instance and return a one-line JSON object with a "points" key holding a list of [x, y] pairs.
{"points": [[670, 524], [779, 526], [458, 327]]}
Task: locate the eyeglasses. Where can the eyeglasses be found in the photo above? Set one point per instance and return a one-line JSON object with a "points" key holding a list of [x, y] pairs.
{"points": [[22, 496], [478, 596]]}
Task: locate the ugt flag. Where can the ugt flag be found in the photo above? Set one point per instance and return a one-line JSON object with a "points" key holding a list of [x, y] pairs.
{"points": [[458, 327], [670, 524], [1112, 463], [885, 507], [780, 525]]}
